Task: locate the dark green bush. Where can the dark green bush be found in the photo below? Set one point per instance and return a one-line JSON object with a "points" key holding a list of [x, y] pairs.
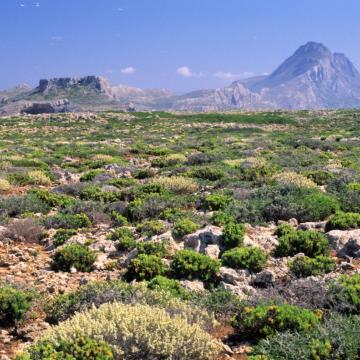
{"points": [[192, 265], [158, 248], [90, 175], [145, 267], [172, 286], [94, 192], [265, 320], [233, 235], [208, 173], [82, 348], [251, 258], [311, 243], [336, 338], [67, 221], [125, 239], [52, 199], [73, 255], [184, 227], [151, 228], [17, 205], [221, 218], [343, 221], [320, 177], [62, 235], [14, 304], [303, 266], [284, 229], [216, 202], [118, 219]]}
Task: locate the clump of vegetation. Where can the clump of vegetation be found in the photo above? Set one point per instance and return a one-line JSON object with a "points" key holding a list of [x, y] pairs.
{"points": [[67, 221], [233, 235], [62, 235], [343, 221], [303, 266], [14, 304], [251, 258], [264, 320], [145, 267], [184, 227], [190, 265], [80, 348], [177, 184], [172, 286], [216, 201], [311, 243], [151, 228], [158, 248], [75, 256]]}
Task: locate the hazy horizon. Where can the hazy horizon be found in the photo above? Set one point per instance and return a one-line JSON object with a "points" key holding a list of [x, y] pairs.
{"points": [[178, 45]]}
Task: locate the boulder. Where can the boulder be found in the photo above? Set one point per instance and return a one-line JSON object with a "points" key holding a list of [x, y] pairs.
{"points": [[345, 242], [261, 236], [193, 285], [234, 277], [312, 226], [242, 290], [265, 278], [212, 251], [198, 241]]}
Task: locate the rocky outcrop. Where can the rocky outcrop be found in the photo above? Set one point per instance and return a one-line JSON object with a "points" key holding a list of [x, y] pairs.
{"points": [[346, 243], [58, 106]]}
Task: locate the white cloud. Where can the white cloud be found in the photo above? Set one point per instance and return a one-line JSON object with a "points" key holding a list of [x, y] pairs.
{"points": [[120, 9], [128, 70], [184, 71], [227, 75], [57, 38], [37, 4], [22, 5]]}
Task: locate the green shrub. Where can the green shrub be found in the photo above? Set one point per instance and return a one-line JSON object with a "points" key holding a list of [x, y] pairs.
{"points": [[80, 348], [320, 177], [216, 201], [90, 175], [184, 227], [52, 199], [304, 266], [14, 304], [233, 235], [125, 238], [311, 243], [265, 320], [158, 248], [138, 332], [251, 258], [221, 218], [151, 228], [145, 267], [73, 255], [62, 235], [172, 286], [94, 192], [192, 265], [336, 338], [118, 219], [17, 205], [343, 221], [208, 173], [67, 221], [284, 229]]}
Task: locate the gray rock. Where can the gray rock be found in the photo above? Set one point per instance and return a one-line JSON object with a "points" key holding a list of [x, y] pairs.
{"points": [[234, 277], [193, 285], [312, 226], [345, 242], [198, 241], [212, 251], [265, 278]]}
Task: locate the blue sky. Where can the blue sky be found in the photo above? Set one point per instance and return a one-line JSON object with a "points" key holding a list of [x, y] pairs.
{"points": [[180, 45]]}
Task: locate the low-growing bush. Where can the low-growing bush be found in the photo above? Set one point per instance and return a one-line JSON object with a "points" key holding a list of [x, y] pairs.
{"points": [[172, 286], [14, 304], [343, 221], [79, 348], [38, 177], [336, 338], [67, 221], [63, 235], [145, 267], [311, 243], [189, 264], [52, 199], [17, 205], [151, 228], [320, 177], [94, 192], [118, 219], [221, 218], [303, 266], [25, 230], [158, 248], [75, 256], [233, 235], [177, 184], [184, 227], [125, 238], [4, 185], [265, 320], [136, 332], [208, 173], [90, 175], [216, 201], [251, 258]]}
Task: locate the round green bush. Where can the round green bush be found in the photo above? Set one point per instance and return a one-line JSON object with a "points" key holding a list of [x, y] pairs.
{"points": [[343, 221], [73, 255], [67, 221], [145, 267], [233, 235], [81, 348], [304, 266], [216, 202], [251, 258], [124, 237], [14, 304], [192, 265], [62, 235], [158, 248], [265, 320], [311, 243], [184, 227], [170, 285], [151, 228]]}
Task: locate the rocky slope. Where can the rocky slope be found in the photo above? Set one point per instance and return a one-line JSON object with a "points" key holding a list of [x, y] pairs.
{"points": [[312, 78]]}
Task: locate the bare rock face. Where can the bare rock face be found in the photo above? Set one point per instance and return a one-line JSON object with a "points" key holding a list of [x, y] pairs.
{"points": [[201, 239], [346, 243], [57, 106]]}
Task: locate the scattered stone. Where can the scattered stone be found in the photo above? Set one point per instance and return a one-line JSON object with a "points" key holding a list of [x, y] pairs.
{"points": [[345, 242], [193, 285]]}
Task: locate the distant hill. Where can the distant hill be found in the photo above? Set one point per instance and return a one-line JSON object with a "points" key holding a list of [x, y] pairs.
{"points": [[312, 78]]}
